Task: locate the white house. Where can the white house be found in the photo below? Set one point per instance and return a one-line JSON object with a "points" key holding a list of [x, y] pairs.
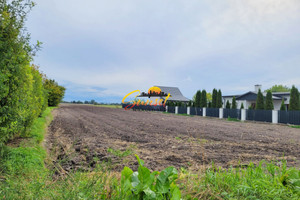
{"points": [[249, 98]]}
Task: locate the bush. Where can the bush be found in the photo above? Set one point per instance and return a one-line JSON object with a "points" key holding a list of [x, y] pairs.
{"points": [[234, 106], [22, 94], [146, 185], [55, 92], [227, 104], [260, 105], [294, 100]]}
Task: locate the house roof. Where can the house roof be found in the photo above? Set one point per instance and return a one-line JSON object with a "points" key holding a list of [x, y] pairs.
{"points": [[252, 96], [176, 95]]}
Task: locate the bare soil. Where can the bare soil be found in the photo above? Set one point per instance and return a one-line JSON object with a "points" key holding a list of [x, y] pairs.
{"points": [[81, 135]]}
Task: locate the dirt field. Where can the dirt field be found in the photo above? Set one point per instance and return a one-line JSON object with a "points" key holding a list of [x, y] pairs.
{"points": [[80, 136]]}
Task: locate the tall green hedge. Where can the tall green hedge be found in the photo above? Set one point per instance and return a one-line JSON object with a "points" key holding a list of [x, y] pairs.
{"points": [[23, 96]]}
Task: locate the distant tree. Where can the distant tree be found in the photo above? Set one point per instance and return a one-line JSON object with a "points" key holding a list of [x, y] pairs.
{"points": [[190, 103], [55, 92], [203, 102], [219, 99], [209, 104], [294, 99], [282, 107], [86, 102], [279, 88], [93, 101], [234, 106], [214, 98], [198, 98], [269, 101], [227, 104], [242, 106], [260, 101], [209, 97]]}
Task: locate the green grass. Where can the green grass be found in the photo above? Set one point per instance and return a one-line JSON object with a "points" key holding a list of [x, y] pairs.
{"points": [[23, 175], [233, 119], [295, 126], [265, 181]]}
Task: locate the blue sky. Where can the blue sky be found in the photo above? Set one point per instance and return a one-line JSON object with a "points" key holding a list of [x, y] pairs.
{"points": [[103, 50]]}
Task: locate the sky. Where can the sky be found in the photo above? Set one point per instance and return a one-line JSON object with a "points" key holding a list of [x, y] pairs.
{"points": [[104, 49]]}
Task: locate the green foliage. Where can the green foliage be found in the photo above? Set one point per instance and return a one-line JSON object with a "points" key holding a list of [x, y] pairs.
{"points": [[279, 88], [233, 119], [260, 105], [263, 181], [234, 106], [120, 153], [190, 104], [210, 104], [282, 106], [227, 104], [198, 99], [294, 100], [219, 99], [203, 101], [269, 101], [22, 96], [55, 92], [209, 97], [146, 185], [242, 106], [214, 98]]}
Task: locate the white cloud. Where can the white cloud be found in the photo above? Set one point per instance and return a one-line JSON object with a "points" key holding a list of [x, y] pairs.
{"points": [[191, 44]]}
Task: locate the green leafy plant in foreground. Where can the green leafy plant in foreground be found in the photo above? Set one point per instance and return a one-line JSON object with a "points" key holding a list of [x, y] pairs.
{"points": [[146, 185]]}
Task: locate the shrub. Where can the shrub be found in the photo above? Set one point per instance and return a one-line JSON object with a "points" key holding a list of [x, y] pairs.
{"points": [[227, 104], [294, 100], [146, 185], [219, 100], [203, 102], [55, 92], [214, 98], [269, 101], [260, 105], [282, 107], [198, 99], [234, 106]]}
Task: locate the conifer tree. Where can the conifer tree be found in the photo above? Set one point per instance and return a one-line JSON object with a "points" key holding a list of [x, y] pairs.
{"points": [[214, 98], [294, 100], [209, 104], [198, 98], [260, 105], [234, 103], [203, 103], [227, 104], [269, 101], [219, 99], [282, 107], [242, 106]]}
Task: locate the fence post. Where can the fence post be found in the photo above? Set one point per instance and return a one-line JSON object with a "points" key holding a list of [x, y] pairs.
{"points": [[166, 108], [176, 110], [275, 116], [243, 114], [188, 111], [221, 111], [204, 112]]}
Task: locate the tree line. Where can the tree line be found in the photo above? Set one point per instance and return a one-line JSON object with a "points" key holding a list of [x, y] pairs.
{"points": [[25, 92]]}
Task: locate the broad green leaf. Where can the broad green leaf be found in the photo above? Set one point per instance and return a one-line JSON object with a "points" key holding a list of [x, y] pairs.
{"points": [[176, 194], [149, 194], [141, 162]]}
